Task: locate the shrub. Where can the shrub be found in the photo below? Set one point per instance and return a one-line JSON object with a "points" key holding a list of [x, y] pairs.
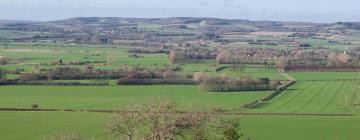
{"points": [[34, 106]]}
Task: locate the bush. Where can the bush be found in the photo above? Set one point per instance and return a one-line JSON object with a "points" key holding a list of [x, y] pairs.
{"points": [[35, 106]]}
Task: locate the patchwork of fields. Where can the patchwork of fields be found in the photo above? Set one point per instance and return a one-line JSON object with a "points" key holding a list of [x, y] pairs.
{"points": [[314, 93]]}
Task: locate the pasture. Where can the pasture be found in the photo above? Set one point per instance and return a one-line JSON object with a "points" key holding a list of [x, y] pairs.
{"points": [[109, 97], [37, 125], [327, 97]]}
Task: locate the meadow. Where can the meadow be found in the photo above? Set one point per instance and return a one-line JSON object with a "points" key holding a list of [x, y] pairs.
{"points": [[109, 97], [327, 97], [37, 125]]}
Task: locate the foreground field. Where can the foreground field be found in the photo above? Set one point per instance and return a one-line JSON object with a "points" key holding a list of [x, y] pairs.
{"points": [[311, 97], [109, 97], [36, 125]]}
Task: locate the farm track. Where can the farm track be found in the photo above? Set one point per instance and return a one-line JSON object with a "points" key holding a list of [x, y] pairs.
{"points": [[180, 112], [312, 99]]}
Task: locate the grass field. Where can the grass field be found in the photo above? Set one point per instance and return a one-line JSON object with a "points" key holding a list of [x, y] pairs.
{"points": [[111, 96], [325, 75], [36, 125], [311, 97]]}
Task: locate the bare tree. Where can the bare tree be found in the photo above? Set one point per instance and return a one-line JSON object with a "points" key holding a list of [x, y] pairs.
{"points": [[172, 56], [157, 120], [332, 59], [283, 62], [223, 56], [343, 58], [199, 77], [126, 122], [176, 55], [168, 74]]}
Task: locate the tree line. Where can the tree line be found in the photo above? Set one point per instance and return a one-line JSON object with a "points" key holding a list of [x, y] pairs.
{"points": [[224, 84]]}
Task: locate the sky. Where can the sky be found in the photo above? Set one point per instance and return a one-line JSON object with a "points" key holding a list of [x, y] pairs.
{"points": [[274, 10]]}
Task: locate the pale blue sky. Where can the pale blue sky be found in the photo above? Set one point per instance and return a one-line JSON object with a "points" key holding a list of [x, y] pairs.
{"points": [[280, 10]]}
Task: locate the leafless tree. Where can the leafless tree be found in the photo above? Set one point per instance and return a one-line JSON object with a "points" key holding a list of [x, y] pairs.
{"points": [[168, 74], [343, 58], [223, 56], [283, 62], [199, 77], [126, 123], [157, 120]]}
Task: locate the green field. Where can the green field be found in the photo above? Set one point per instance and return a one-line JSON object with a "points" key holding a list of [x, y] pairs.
{"points": [[109, 97], [36, 125], [311, 97], [325, 75]]}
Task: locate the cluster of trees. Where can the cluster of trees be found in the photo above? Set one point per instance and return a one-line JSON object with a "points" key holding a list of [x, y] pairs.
{"points": [[303, 34], [311, 60], [148, 51], [62, 62], [338, 59], [247, 56], [74, 73], [179, 55], [167, 77], [68, 83], [164, 121], [224, 83]]}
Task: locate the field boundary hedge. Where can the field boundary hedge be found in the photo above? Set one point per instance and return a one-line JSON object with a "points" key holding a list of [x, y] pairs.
{"points": [[322, 69], [155, 82], [255, 103], [280, 89]]}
